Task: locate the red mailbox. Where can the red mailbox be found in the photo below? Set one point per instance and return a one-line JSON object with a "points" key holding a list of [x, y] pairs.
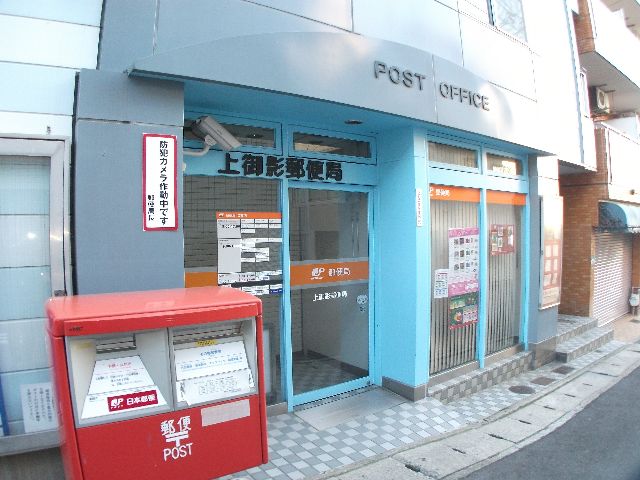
{"points": [[160, 384]]}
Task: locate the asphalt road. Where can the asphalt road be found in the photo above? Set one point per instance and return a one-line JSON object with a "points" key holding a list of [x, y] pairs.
{"points": [[601, 442]]}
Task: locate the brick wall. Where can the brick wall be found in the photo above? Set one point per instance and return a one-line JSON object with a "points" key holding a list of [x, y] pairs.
{"points": [[581, 195], [584, 28], [635, 274]]}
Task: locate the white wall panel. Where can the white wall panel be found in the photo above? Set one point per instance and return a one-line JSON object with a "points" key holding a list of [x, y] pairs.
{"points": [[210, 21], [555, 76], [36, 89], [44, 42], [86, 12], [35, 124], [333, 12], [496, 57], [427, 25], [23, 345]]}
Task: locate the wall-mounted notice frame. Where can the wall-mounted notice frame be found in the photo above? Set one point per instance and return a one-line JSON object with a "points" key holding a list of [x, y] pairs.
{"points": [[159, 182], [551, 223], [249, 251]]}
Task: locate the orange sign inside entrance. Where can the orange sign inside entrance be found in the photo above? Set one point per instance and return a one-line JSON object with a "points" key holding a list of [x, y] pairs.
{"points": [[330, 272], [248, 215], [506, 198], [455, 194]]}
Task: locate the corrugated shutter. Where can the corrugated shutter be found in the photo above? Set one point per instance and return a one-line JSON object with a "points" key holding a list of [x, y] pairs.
{"points": [[503, 288], [612, 276], [449, 348]]}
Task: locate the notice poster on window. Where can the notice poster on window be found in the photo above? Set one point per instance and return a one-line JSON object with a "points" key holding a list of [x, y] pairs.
{"points": [[463, 310], [249, 246], [464, 260], [551, 209], [159, 182], [38, 407], [502, 239], [441, 283]]}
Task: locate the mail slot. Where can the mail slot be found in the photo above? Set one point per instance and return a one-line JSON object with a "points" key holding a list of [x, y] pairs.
{"points": [[160, 384]]}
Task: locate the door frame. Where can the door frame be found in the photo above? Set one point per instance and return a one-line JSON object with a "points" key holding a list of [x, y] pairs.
{"points": [[287, 348]]}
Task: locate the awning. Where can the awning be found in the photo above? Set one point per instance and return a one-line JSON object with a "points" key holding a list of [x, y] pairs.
{"points": [[619, 217]]}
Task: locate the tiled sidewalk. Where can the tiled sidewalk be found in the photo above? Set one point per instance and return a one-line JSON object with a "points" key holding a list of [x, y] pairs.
{"points": [[298, 451]]}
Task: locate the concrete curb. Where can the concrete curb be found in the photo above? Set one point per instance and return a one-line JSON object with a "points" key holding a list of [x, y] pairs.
{"points": [[422, 473]]}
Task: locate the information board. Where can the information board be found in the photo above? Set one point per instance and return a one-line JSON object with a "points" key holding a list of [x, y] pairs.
{"points": [[249, 251]]}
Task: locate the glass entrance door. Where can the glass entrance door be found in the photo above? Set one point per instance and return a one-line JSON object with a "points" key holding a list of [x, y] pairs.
{"points": [[330, 298]]}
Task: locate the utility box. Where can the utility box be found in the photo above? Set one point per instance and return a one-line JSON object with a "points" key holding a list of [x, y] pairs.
{"points": [[161, 384]]}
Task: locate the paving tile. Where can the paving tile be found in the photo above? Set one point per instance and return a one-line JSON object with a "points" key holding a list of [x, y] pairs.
{"points": [[385, 470]]}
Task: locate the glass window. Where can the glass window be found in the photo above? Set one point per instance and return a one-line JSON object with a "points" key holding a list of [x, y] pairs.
{"points": [[463, 157], [206, 196], [247, 135], [309, 142], [329, 247], [505, 165], [507, 15], [253, 136], [25, 276]]}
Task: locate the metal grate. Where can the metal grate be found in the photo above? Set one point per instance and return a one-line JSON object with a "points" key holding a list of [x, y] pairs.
{"points": [[211, 333], [504, 284], [116, 344], [449, 348]]}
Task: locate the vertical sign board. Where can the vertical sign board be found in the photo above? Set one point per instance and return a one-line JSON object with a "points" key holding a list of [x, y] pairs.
{"points": [[419, 208], [159, 182], [551, 213]]}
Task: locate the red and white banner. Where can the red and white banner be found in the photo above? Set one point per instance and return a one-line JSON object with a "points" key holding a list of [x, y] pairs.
{"points": [[159, 182]]}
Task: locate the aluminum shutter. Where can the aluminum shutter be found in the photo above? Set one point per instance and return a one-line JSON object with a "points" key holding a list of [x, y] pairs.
{"points": [[612, 276]]}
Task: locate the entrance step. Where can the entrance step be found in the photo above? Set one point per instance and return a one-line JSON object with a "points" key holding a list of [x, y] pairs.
{"points": [[478, 380], [570, 326], [584, 343]]}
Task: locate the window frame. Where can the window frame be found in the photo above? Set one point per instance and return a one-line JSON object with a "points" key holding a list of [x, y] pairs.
{"points": [[58, 150], [243, 121], [292, 152]]}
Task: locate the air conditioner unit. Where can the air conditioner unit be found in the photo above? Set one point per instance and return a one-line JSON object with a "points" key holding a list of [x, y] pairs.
{"points": [[600, 101]]}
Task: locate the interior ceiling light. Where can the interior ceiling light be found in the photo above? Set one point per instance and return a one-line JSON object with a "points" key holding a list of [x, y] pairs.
{"points": [[255, 135]]}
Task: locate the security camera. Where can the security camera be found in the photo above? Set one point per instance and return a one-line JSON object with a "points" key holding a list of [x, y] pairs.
{"points": [[212, 133]]}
